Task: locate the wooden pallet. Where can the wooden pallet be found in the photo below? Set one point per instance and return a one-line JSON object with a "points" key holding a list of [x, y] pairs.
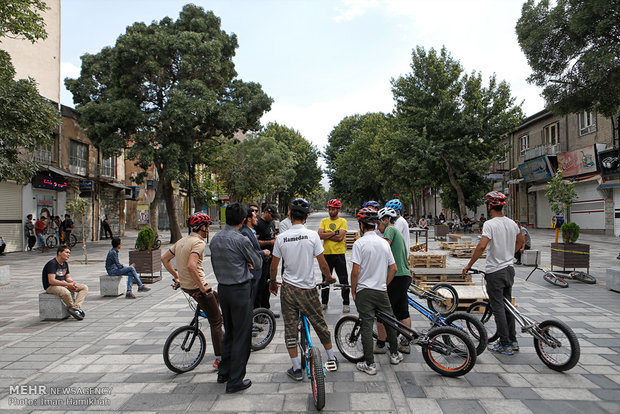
{"points": [[447, 275], [418, 248], [350, 238], [427, 260], [428, 285], [471, 294], [465, 252]]}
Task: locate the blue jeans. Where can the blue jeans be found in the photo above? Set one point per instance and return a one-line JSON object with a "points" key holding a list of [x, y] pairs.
{"points": [[131, 273]]}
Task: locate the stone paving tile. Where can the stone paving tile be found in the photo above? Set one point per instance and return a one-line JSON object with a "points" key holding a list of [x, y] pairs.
{"points": [[244, 402], [370, 401], [563, 407], [521, 393], [566, 394], [156, 401], [607, 395], [424, 405], [505, 406], [457, 406]]}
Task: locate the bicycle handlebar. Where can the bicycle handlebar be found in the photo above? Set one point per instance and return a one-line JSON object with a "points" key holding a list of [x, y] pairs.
{"points": [[476, 271]]}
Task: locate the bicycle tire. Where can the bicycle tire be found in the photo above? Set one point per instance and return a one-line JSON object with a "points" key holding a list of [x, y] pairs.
{"points": [[483, 312], [443, 299], [472, 326], [181, 360], [263, 328], [348, 336], [551, 328], [583, 277], [555, 280], [449, 351], [72, 240], [317, 378], [157, 244], [51, 241]]}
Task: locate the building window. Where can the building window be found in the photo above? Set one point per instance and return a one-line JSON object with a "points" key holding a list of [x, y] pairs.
{"points": [[525, 143], [44, 155], [108, 167], [78, 158], [552, 134], [587, 122]]}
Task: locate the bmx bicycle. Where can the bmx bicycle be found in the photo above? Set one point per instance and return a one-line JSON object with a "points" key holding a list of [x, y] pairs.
{"points": [[53, 240], [555, 343], [186, 346], [559, 278], [441, 298]]}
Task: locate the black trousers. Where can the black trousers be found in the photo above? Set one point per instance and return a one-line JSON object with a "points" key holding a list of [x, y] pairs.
{"points": [[518, 253], [499, 286], [338, 262], [106, 230], [263, 294], [235, 301]]}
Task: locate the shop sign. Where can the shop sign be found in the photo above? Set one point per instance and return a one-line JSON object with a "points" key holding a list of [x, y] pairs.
{"points": [[581, 161], [535, 170], [49, 181], [87, 185], [609, 160]]}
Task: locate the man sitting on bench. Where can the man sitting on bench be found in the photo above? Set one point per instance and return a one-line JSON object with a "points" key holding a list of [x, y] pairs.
{"points": [[57, 281], [115, 268]]}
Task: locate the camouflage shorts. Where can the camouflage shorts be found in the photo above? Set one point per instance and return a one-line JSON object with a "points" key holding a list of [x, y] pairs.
{"points": [[294, 300]]}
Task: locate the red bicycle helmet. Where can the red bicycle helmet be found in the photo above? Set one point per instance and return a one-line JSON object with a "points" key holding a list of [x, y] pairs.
{"points": [[495, 198], [335, 203], [367, 215], [198, 219]]}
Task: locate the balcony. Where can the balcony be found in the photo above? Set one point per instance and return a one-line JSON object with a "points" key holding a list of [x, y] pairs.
{"points": [[542, 150]]}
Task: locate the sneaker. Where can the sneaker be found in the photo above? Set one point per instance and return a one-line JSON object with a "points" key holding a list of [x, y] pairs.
{"points": [[295, 374], [501, 349], [130, 295], [515, 346], [518, 262], [216, 363], [379, 349], [143, 289], [396, 358], [368, 369], [404, 349], [346, 309], [75, 313], [324, 306]]}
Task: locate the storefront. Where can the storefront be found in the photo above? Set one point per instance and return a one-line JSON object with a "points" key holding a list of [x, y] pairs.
{"points": [[11, 224], [609, 161]]}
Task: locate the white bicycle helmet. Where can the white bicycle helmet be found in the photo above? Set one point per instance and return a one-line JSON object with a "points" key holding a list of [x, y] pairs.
{"points": [[387, 211]]}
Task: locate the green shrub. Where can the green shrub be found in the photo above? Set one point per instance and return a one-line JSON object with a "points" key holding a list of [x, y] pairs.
{"points": [[570, 232], [146, 239]]}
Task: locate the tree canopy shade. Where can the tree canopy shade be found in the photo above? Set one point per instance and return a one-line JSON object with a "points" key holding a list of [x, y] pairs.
{"points": [[163, 91], [573, 48], [27, 120], [454, 122]]}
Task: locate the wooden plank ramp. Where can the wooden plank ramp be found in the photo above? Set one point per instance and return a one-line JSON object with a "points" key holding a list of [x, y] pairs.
{"points": [[427, 260]]}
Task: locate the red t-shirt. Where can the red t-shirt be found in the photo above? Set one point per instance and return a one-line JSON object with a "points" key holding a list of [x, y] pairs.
{"points": [[39, 226]]}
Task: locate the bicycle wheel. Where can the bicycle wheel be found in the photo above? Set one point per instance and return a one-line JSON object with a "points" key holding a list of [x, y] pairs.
{"points": [[157, 244], [181, 352], [443, 299], [563, 351], [72, 240], [483, 312], [348, 335], [317, 378], [583, 277], [51, 241], [263, 328], [449, 351], [555, 280], [472, 326]]}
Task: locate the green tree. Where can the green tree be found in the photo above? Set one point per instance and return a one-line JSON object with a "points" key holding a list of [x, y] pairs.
{"points": [[561, 194], [163, 91], [78, 208], [573, 48], [457, 121], [27, 120]]}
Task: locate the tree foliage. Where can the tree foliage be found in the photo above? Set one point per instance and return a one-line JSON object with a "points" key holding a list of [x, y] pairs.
{"points": [[573, 48], [22, 19], [561, 194], [164, 91]]}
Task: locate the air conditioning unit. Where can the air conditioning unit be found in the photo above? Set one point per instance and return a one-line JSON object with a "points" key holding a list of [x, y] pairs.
{"points": [[554, 149]]}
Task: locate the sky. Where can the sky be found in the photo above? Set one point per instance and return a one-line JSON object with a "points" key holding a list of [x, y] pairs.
{"points": [[323, 60]]}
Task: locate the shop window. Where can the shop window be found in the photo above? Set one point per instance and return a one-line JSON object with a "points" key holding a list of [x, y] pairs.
{"points": [[78, 158], [587, 122]]}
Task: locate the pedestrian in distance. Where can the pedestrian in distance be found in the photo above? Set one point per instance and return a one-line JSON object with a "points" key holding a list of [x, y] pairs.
{"points": [[57, 281], [248, 231], [190, 275], [66, 227], [526, 246], [40, 229], [502, 237], [105, 226], [232, 258], [332, 231], [31, 239], [115, 268], [266, 234]]}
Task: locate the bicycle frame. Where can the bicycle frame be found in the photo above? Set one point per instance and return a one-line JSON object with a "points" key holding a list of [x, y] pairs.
{"points": [[304, 329], [195, 323], [435, 318]]}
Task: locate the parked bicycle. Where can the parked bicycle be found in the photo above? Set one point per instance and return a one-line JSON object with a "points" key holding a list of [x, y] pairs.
{"points": [[441, 298], [556, 344], [186, 346], [559, 278], [52, 240]]}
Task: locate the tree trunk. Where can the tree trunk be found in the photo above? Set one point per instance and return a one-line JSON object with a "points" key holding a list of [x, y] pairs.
{"points": [[459, 191], [154, 205], [83, 241], [413, 201], [171, 207]]}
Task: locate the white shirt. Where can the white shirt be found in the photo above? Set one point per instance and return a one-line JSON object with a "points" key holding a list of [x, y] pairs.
{"points": [[284, 225], [502, 233], [373, 255], [297, 247], [402, 225]]}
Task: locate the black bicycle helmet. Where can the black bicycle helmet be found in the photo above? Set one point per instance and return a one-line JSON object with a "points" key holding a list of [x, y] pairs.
{"points": [[367, 215], [301, 205]]}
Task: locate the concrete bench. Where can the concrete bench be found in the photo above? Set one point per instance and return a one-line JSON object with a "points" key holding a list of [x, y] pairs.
{"points": [[613, 279], [51, 307], [530, 257], [5, 275], [112, 285]]}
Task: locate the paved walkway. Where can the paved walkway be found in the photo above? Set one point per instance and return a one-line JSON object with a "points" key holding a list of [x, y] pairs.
{"points": [[112, 361]]}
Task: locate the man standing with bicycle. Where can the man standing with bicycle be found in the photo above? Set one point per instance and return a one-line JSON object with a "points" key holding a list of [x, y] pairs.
{"points": [[297, 247], [503, 239]]}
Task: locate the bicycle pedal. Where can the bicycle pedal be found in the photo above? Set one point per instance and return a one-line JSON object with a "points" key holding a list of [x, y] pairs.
{"points": [[330, 366]]}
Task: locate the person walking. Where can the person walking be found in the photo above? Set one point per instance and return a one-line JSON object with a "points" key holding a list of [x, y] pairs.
{"points": [[115, 268], [503, 239], [40, 229], [31, 239], [66, 227], [57, 281], [105, 226], [266, 234], [528, 242], [332, 231], [190, 275], [232, 258]]}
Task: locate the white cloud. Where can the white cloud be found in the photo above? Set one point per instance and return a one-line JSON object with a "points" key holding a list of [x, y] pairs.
{"points": [[351, 9], [69, 70]]}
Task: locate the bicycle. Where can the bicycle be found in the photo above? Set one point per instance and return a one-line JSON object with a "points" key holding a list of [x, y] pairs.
{"points": [[555, 342], [441, 298], [559, 278], [52, 240], [182, 354], [446, 350]]}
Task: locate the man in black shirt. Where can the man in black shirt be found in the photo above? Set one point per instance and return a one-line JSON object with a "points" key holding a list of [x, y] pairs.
{"points": [[266, 235], [57, 281]]}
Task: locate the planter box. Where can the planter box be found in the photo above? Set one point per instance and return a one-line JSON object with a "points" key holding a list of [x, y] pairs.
{"points": [[570, 256], [147, 263], [441, 230]]}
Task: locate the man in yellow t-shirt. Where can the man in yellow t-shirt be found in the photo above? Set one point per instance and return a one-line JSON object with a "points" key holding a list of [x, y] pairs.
{"points": [[332, 231]]}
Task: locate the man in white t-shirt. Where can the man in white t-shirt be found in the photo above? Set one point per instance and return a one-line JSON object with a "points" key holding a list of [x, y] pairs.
{"points": [[503, 238], [297, 247], [400, 223], [373, 269]]}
